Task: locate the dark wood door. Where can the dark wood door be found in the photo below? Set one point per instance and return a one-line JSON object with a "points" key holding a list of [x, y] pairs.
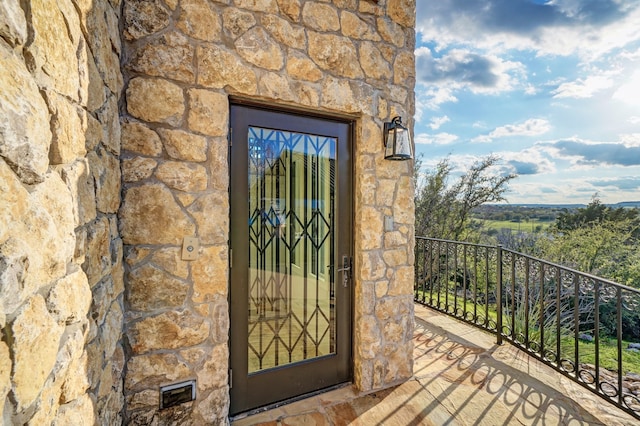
{"points": [[291, 242]]}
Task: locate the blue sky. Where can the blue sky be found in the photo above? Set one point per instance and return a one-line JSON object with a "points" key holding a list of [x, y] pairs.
{"points": [[552, 87]]}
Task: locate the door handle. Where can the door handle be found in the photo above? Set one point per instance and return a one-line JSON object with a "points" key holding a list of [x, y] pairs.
{"points": [[346, 270]]}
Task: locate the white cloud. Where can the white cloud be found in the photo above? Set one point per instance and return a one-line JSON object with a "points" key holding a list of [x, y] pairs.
{"points": [[583, 88], [436, 122], [437, 139], [629, 92], [589, 29], [465, 69], [432, 98], [634, 119], [531, 127]]}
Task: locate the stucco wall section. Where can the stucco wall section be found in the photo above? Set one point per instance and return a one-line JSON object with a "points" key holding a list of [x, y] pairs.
{"points": [[184, 58], [61, 273]]}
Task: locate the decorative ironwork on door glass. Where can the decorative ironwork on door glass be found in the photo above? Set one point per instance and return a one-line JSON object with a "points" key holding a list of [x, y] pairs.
{"points": [[291, 247]]}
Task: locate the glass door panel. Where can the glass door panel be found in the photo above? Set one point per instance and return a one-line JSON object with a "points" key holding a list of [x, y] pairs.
{"points": [[291, 180]]}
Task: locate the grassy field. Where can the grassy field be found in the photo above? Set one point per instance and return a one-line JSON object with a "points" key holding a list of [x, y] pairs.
{"points": [[529, 226]]}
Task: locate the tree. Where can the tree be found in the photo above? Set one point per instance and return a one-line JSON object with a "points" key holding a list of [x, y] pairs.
{"points": [[444, 210]]}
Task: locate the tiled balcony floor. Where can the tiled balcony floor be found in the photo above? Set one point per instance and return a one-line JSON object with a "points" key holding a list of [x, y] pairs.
{"points": [[461, 377]]}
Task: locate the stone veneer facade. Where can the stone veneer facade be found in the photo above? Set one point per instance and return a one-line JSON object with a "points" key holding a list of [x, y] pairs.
{"points": [[77, 307]]}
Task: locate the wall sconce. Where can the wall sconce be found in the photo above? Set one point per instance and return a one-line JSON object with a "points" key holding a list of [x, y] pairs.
{"points": [[397, 142]]}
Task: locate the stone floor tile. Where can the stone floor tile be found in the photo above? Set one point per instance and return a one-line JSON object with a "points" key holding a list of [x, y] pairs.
{"points": [[461, 378]]}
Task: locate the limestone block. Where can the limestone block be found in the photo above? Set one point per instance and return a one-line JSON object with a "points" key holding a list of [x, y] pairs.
{"points": [[5, 374], [13, 25], [76, 412], [137, 168], [395, 239], [366, 97], [371, 141], [404, 69], [170, 260], [199, 19], [219, 68], [106, 175], [53, 51], [320, 16], [150, 215], [337, 94], [269, 6], [306, 94], [70, 298], [257, 47], [155, 100], [218, 164], [94, 134], [403, 12], [275, 86], [13, 197], [284, 32], [110, 119], [99, 33], [138, 138], [366, 188], [373, 267], [170, 55], [111, 330], [209, 274], [182, 176], [372, 228], [390, 31], [291, 8], [79, 180], [213, 373], [372, 62], [368, 337], [402, 284], [92, 87], [149, 399], [386, 192], [169, 330], [208, 112], [150, 289], [403, 209], [36, 336], [335, 54], [354, 27], [214, 204], [303, 68], [97, 262], [214, 409], [25, 134], [236, 22], [68, 141], [144, 17], [396, 257], [184, 146]]}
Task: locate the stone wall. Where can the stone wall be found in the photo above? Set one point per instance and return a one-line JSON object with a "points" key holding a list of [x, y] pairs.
{"points": [[184, 58], [61, 272]]}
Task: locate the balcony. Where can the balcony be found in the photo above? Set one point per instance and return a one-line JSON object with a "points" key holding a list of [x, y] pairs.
{"points": [[500, 338]]}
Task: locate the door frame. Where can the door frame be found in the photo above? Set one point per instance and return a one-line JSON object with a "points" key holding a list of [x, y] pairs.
{"points": [[239, 385]]}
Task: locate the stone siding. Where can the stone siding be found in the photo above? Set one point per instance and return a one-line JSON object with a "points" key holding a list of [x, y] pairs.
{"points": [[61, 271], [184, 59]]}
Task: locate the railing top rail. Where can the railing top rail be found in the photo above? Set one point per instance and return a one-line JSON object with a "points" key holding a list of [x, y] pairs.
{"points": [[566, 268], [575, 271], [456, 242]]}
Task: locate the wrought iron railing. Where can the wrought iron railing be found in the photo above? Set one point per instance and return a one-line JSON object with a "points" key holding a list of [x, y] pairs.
{"points": [[574, 322]]}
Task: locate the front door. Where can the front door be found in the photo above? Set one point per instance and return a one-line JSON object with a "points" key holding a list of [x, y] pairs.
{"points": [[290, 288]]}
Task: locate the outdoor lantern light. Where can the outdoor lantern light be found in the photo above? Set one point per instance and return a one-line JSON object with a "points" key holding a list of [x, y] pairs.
{"points": [[397, 142]]}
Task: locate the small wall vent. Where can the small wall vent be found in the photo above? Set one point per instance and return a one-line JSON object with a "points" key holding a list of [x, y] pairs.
{"points": [[177, 393]]}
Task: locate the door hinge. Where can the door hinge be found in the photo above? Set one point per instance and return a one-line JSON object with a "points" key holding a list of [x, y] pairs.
{"points": [[230, 136], [230, 378], [230, 258]]}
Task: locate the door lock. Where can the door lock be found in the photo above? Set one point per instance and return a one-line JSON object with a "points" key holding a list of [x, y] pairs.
{"points": [[346, 270]]}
